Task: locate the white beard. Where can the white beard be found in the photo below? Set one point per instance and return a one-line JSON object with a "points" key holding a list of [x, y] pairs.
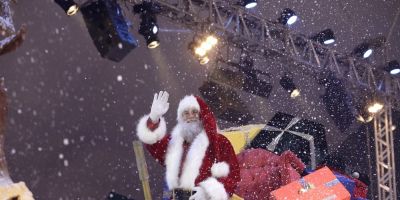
{"points": [[191, 130]]}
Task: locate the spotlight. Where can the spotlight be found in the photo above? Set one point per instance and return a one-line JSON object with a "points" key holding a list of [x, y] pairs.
{"points": [[108, 29], [365, 118], [152, 42], [148, 26], [375, 107], [393, 67], [200, 51], [149, 29], [363, 50], [250, 3], [288, 84], [204, 60], [201, 46], [362, 115], [288, 17], [324, 37], [69, 6], [367, 53]]}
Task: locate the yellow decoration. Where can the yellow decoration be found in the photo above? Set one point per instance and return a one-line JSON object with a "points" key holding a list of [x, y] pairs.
{"points": [[236, 197], [240, 136], [15, 190]]}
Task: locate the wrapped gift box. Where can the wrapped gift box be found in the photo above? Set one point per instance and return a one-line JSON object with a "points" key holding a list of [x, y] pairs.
{"points": [[241, 136], [303, 137], [356, 188], [319, 185]]}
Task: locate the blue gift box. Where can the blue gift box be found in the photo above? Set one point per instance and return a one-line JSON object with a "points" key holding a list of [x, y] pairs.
{"points": [[348, 183]]}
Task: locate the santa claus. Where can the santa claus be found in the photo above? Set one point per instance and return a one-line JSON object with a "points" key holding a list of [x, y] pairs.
{"points": [[196, 157]]}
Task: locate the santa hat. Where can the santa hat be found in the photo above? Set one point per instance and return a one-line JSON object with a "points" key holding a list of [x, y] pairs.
{"points": [[187, 102], [206, 116]]}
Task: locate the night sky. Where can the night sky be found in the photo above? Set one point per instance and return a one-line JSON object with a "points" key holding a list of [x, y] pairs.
{"points": [[72, 114]]}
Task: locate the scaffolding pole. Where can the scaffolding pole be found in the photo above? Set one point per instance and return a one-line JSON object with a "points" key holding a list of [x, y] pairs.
{"points": [[142, 168]]}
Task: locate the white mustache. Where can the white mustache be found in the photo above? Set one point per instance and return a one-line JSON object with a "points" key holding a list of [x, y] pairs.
{"points": [[191, 120]]}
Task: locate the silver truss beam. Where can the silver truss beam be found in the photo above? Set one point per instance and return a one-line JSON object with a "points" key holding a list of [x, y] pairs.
{"points": [[238, 28], [241, 29], [385, 162]]}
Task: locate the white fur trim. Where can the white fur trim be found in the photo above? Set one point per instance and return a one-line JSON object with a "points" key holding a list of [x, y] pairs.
{"points": [[192, 162], [214, 189], [220, 169], [173, 159], [146, 135], [186, 102]]}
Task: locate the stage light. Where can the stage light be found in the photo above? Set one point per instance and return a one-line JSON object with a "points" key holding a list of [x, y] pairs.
{"points": [[152, 42], [200, 46], [148, 26], [250, 3], [69, 6], [204, 60], [200, 51], [366, 114], [362, 114], [295, 93], [367, 53], [365, 118], [211, 40], [108, 29], [149, 30], [324, 37], [363, 50], [288, 84], [155, 29], [375, 107], [288, 17], [393, 67]]}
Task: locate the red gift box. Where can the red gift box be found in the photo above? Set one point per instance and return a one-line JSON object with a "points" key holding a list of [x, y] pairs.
{"points": [[319, 185]]}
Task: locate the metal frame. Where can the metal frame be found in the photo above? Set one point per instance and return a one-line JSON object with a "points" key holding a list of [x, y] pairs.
{"points": [[239, 29], [384, 149]]}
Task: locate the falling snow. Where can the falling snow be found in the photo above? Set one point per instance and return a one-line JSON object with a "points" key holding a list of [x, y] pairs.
{"points": [[72, 113]]}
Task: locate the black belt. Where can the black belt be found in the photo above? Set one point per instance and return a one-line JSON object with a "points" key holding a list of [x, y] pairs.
{"points": [[181, 194]]}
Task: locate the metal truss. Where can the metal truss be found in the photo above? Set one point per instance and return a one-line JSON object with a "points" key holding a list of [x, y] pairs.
{"points": [[385, 162], [240, 29]]}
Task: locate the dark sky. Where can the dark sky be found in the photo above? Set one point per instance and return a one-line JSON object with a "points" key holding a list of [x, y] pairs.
{"points": [[72, 113]]}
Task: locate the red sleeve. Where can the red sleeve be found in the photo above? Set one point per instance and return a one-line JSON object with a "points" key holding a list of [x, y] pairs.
{"points": [[159, 149], [227, 154]]}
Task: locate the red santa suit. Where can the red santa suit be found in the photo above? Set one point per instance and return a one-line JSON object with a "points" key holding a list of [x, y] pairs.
{"points": [[208, 161]]}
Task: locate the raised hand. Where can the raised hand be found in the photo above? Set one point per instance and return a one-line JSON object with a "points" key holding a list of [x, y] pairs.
{"points": [[160, 106]]}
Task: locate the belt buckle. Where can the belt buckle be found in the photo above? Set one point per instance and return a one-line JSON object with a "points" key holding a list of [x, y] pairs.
{"points": [[181, 194]]}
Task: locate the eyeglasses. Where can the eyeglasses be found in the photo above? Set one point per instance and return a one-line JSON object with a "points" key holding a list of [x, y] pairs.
{"points": [[190, 113]]}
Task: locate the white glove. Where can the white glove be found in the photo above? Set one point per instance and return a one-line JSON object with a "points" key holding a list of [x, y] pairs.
{"points": [[160, 106], [199, 195]]}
